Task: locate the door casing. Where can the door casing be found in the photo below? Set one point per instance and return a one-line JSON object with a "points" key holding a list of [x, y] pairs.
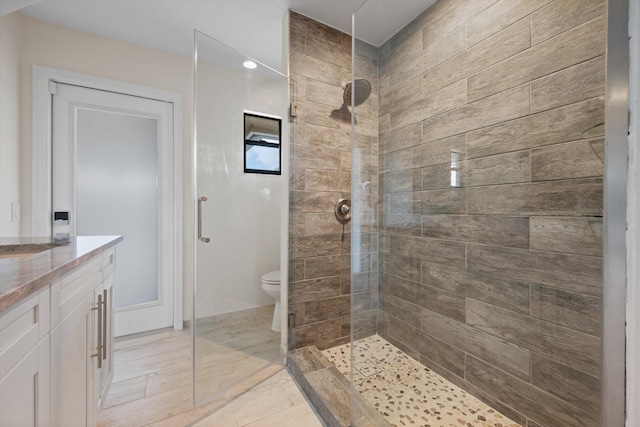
{"points": [[41, 157]]}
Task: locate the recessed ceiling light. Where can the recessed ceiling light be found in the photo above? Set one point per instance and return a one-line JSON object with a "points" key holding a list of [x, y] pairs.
{"points": [[249, 64]]}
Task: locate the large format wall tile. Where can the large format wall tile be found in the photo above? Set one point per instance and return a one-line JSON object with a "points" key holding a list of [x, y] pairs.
{"points": [[560, 16], [446, 15], [497, 351], [573, 84], [576, 349], [579, 159], [316, 289], [401, 309], [507, 105], [502, 45], [576, 45], [507, 231], [498, 16], [435, 350], [575, 273], [572, 198], [435, 52], [326, 309], [505, 293], [437, 102], [317, 333], [321, 136], [534, 403], [576, 311], [403, 95], [321, 157], [575, 387], [445, 303], [570, 123], [500, 169], [578, 235], [314, 68], [433, 250]]}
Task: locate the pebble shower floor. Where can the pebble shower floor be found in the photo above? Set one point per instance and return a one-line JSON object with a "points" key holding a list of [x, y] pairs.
{"points": [[406, 392]]}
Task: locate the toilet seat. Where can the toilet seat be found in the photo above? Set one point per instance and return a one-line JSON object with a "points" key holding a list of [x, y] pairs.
{"points": [[271, 278]]}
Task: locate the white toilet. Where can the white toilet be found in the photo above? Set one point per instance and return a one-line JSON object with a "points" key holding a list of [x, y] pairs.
{"points": [[271, 285]]}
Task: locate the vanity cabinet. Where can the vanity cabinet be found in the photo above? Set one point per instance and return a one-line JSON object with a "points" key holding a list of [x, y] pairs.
{"points": [[56, 349], [24, 362], [82, 342]]}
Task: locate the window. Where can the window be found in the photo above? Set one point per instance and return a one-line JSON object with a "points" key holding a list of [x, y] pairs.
{"points": [[262, 152]]}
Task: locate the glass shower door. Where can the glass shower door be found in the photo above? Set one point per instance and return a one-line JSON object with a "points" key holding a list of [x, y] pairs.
{"points": [[238, 125]]}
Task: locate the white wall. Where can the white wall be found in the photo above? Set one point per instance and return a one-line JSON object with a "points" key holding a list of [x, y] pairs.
{"points": [[10, 35], [59, 47], [71, 50], [242, 215]]}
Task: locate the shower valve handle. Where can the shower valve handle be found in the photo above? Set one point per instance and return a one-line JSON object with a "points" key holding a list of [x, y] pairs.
{"points": [[342, 211]]}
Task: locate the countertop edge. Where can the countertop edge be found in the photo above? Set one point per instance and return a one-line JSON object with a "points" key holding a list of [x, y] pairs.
{"points": [[33, 285]]}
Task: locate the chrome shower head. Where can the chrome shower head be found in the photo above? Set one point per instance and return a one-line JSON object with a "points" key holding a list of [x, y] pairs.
{"points": [[360, 94]]}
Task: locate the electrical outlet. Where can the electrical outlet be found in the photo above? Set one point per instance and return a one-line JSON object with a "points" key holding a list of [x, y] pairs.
{"points": [[15, 212]]}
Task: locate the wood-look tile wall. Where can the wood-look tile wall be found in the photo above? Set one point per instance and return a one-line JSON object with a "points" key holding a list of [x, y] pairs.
{"points": [[321, 158], [491, 158]]}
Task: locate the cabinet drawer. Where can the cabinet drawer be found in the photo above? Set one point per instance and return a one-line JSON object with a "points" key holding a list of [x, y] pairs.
{"points": [[86, 270], [72, 288], [108, 263], [21, 328]]}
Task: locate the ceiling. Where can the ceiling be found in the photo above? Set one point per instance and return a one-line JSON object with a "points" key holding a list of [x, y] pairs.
{"points": [[250, 26]]}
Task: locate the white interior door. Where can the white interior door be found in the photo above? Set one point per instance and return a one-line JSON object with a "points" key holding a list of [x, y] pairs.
{"points": [[112, 175]]}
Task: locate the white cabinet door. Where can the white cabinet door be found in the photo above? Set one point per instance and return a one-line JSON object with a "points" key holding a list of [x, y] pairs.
{"points": [[71, 367], [82, 342], [23, 389], [24, 363], [103, 371]]}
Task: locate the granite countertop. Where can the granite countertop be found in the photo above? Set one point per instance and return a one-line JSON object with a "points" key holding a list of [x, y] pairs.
{"points": [[21, 275]]}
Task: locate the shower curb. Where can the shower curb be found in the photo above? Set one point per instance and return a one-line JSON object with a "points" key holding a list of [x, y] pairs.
{"points": [[329, 391]]}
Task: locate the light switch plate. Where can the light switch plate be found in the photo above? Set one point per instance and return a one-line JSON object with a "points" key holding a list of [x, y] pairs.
{"points": [[15, 212]]}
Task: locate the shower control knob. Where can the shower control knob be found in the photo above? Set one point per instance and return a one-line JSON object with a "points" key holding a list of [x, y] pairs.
{"points": [[342, 211]]}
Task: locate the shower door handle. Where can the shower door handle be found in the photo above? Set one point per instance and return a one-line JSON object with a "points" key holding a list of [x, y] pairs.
{"points": [[202, 239]]}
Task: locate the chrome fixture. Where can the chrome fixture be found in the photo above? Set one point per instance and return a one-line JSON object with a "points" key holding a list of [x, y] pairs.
{"points": [[360, 93], [202, 239], [342, 211]]}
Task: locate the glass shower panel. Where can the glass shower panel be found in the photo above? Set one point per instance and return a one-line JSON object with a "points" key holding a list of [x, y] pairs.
{"points": [[489, 208], [237, 217], [365, 237]]}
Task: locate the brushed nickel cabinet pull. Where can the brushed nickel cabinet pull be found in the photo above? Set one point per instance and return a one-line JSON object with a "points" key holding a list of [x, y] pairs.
{"points": [[105, 310], [99, 349]]}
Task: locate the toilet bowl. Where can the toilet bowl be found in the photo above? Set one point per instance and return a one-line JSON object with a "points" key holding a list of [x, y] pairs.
{"points": [[271, 285]]}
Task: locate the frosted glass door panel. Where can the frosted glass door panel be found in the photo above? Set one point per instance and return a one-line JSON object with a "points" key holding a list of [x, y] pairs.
{"points": [[117, 194]]}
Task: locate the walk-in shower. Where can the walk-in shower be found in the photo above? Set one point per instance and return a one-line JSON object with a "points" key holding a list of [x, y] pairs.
{"points": [[471, 288]]}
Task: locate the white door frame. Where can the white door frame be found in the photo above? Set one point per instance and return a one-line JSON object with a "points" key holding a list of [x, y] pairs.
{"points": [[41, 157]]}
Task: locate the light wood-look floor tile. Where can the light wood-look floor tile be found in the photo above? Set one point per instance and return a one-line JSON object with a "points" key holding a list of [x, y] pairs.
{"points": [[275, 402], [153, 378], [126, 391]]}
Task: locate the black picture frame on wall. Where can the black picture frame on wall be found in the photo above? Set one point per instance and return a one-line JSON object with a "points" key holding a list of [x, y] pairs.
{"points": [[262, 148]]}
